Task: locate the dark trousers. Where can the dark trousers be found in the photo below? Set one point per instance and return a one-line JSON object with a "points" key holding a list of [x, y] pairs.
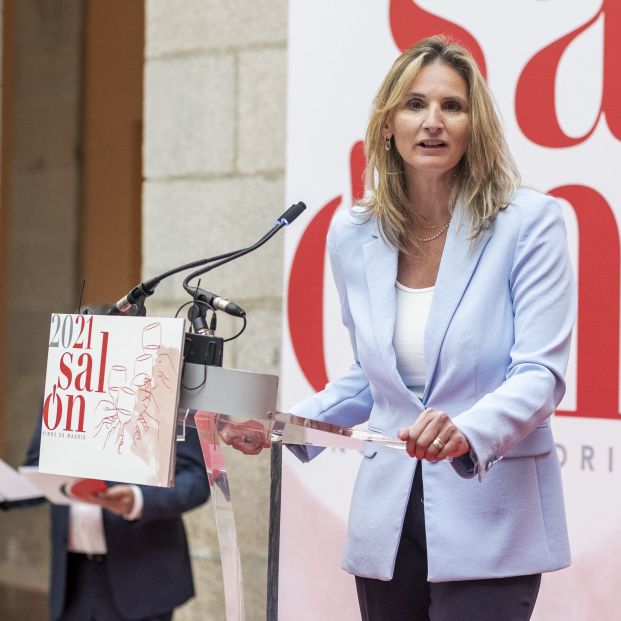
{"points": [[409, 597], [89, 594]]}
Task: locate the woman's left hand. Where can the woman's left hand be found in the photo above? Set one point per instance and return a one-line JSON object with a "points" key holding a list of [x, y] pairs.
{"points": [[434, 437]]}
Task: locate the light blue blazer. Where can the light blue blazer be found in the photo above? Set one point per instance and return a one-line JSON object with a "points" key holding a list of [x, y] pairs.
{"points": [[496, 348]]}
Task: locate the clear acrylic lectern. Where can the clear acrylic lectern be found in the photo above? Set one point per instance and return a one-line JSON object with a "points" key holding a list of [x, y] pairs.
{"points": [[238, 408]]}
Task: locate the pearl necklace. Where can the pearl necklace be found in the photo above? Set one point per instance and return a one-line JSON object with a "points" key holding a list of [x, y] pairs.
{"points": [[428, 239]]}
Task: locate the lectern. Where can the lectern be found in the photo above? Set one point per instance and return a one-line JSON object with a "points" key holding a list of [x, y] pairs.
{"points": [[238, 409]]}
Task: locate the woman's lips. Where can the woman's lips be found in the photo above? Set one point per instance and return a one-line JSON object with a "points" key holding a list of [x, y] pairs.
{"points": [[432, 144]]}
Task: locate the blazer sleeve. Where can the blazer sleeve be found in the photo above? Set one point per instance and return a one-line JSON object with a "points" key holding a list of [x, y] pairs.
{"points": [[191, 484], [543, 294], [346, 400]]}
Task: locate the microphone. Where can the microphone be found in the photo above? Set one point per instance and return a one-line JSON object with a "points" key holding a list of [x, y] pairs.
{"points": [[135, 297], [219, 303], [291, 214], [285, 219]]}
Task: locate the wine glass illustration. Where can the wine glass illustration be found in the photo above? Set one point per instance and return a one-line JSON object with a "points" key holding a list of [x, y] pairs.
{"points": [[141, 383], [151, 342], [117, 378], [107, 408], [126, 400], [152, 338], [143, 367]]}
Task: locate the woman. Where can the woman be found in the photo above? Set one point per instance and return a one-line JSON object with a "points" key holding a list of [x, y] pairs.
{"points": [[458, 295]]}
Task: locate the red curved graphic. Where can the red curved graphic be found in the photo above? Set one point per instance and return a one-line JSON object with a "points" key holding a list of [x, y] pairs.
{"points": [[598, 303], [536, 114], [409, 23], [305, 297], [535, 97], [357, 164], [612, 67]]}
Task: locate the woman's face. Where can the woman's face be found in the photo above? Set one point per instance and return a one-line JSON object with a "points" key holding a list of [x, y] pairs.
{"points": [[430, 126]]}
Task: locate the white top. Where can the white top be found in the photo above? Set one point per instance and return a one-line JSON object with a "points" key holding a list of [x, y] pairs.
{"points": [[413, 307]]}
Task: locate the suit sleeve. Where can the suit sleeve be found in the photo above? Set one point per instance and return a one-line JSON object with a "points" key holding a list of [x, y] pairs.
{"points": [[544, 306], [191, 484], [32, 453], [346, 400]]}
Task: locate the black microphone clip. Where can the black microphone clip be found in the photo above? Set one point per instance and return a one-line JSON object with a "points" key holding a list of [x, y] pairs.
{"points": [[133, 302], [218, 303]]}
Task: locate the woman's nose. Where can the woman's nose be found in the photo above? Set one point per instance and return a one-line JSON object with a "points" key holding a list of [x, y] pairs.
{"points": [[433, 119]]}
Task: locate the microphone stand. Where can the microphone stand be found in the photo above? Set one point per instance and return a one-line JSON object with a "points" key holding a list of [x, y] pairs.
{"points": [[201, 345], [138, 295]]}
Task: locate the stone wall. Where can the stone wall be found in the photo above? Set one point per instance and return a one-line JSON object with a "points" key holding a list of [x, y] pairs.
{"points": [[214, 157]]}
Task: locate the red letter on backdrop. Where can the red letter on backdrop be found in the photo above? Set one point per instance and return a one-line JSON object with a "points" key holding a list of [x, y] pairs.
{"points": [[535, 101], [598, 303], [305, 295], [305, 308], [409, 23]]}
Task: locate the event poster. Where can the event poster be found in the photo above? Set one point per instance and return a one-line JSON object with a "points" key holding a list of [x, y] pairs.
{"points": [[111, 392], [553, 68]]}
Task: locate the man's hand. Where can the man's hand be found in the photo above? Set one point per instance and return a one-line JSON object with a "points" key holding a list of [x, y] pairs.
{"points": [[118, 499]]}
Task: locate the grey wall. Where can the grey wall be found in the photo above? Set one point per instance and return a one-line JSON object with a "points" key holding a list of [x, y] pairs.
{"points": [[214, 158]]}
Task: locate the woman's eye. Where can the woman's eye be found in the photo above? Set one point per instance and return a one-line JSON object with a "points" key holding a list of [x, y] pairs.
{"points": [[452, 106], [415, 104]]}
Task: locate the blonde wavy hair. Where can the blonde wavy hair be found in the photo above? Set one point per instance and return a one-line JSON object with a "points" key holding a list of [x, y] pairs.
{"points": [[486, 177]]}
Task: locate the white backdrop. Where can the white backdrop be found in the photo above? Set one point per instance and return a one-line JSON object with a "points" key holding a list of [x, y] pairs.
{"points": [[554, 67]]}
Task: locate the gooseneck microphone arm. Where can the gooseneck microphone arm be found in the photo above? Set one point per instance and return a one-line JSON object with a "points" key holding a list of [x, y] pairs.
{"points": [[289, 216], [145, 289], [205, 298]]}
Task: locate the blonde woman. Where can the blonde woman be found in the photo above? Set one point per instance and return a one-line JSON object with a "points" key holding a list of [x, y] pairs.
{"points": [[457, 291]]}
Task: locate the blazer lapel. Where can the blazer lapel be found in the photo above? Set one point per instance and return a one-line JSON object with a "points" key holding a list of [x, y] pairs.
{"points": [[381, 273], [459, 260]]}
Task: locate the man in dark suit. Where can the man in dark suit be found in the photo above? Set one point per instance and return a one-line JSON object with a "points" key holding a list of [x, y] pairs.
{"points": [[126, 559]]}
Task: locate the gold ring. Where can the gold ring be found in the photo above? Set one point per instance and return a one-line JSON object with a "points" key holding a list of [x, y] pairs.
{"points": [[438, 443]]}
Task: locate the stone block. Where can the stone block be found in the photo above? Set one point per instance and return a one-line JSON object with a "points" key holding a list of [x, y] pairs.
{"points": [[200, 525], [189, 116], [209, 602], [258, 349], [175, 26], [187, 220], [261, 108], [25, 548]]}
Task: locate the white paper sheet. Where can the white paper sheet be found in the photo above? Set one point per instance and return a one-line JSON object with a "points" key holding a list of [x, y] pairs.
{"points": [[15, 486]]}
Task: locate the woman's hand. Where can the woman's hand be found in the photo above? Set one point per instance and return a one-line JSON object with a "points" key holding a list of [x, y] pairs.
{"points": [[434, 437], [249, 437]]}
